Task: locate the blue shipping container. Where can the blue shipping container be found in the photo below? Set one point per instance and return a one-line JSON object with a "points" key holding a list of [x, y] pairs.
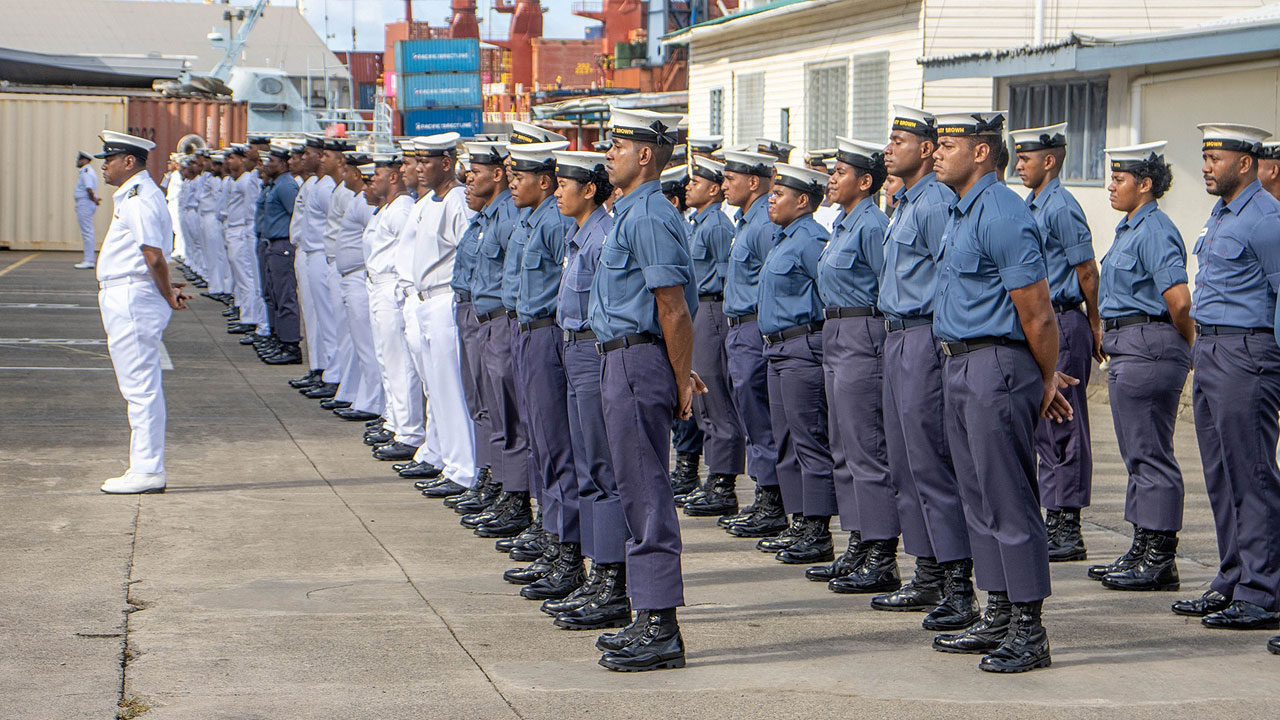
{"points": [[467, 122], [437, 91], [368, 95], [436, 56]]}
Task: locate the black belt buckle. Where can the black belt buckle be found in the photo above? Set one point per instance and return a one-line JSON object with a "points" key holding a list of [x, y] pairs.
{"points": [[511, 314], [711, 297], [537, 324], [892, 324], [736, 321], [833, 313], [576, 335], [1060, 308]]}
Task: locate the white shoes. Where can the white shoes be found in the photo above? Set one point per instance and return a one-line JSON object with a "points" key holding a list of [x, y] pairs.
{"points": [[84, 266], [132, 483]]}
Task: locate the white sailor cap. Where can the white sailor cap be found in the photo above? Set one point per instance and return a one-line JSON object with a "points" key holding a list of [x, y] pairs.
{"points": [[535, 157], [338, 145], [82, 155], [297, 146], [580, 166], [673, 178], [281, 149], [645, 126], [776, 148], [218, 155], [798, 177], [523, 133], [240, 149], [407, 147], [356, 158], [1233, 136], [914, 121], [1270, 151], [464, 164], [314, 140], [718, 155], [860, 154], [749, 163], [601, 146], [436, 145], [1043, 138], [977, 122], [706, 145], [708, 169], [1135, 157], [116, 143], [386, 159], [487, 152]]}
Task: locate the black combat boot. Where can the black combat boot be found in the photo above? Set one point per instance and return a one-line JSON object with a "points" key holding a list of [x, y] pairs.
{"points": [[922, 594], [959, 607], [1157, 570], [983, 636], [612, 641], [849, 560], [743, 513], [485, 495], [537, 569], [721, 498], [698, 492], [310, 379], [1067, 544], [1125, 561], [517, 516], [659, 646], [1025, 646], [609, 607], [878, 573], [684, 479], [767, 520], [813, 545], [785, 539], [580, 596], [566, 575], [473, 520], [533, 532]]}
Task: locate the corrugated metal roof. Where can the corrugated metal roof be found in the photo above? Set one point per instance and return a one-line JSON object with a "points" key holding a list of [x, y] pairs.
{"points": [[281, 39], [682, 36]]}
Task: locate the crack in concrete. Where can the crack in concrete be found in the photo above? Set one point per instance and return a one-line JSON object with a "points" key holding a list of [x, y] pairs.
{"points": [[130, 608]]}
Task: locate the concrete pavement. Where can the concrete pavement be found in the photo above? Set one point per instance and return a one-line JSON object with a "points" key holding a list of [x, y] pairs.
{"points": [[285, 574]]}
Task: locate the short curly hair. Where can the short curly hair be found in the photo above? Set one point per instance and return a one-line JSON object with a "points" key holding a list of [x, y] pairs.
{"points": [[1160, 173]]}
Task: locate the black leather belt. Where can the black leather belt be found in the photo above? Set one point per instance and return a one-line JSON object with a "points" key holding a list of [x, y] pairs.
{"points": [[711, 297], [1116, 323], [951, 349], [895, 323], [511, 314], [576, 335], [1061, 307], [536, 324], [462, 298], [486, 317], [793, 331], [1231, 330], [736, 321], [832, 313], [627, 341]]}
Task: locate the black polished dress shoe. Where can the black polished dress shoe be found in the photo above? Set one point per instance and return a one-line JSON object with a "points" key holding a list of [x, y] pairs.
{"points": [[289, 354], [1025, 646], [376, 422], [1131, 557], [395, 450], [580, 596], [922, 594], [1210, 602], [535, 570], [959, 607], [783, 540], [659, 646], [447, 489], [1273, 645], [1066, 543], [421, 470], [878, 573], [252, 339], [767, 520], [231, 313], [350, 413], [322, 391], [983, 636], [306, 381], [607, 607], [201, 283], [721, 498], [847, 562], [532, 533], [567, 574], [1157, 570], [1242, 615], [684, 478], [334, 404], [382, 437], [814, 544], [425, 484]]}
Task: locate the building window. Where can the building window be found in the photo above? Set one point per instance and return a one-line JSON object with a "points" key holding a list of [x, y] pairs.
{"points": [[750, 103], [870, 109], [784, 125], [826, 97], [716, 122], [1082, 104]]}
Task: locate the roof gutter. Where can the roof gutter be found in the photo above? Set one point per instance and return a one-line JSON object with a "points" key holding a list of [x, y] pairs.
{"points": [[739, 21]]}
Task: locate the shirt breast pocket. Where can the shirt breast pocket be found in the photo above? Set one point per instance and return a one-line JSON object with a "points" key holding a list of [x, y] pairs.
{"points": [[491, 249], [785, 275], [966, 267], [532, 260], [739, 252], [1227, 248], [616, 279], [842, 259], [700, 252]]}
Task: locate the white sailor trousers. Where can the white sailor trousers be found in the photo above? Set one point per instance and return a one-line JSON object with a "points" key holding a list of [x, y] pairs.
{"points": [[84, 216], [318, 313], [429, 452], [214, 243], [135, 316], [190, 221], [401, 382], [344, 353], [244, 273], [364, 372], [447, 406]]}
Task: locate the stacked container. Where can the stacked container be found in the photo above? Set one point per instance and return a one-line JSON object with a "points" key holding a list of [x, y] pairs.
{"points": [[437, 86]]}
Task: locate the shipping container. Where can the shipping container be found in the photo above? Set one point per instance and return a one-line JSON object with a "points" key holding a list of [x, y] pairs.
{"points": [[467, 122], [566, 63], [366, 95], [365, 67], [165, 121], [437, 56], [437, 91], [39, 138]]}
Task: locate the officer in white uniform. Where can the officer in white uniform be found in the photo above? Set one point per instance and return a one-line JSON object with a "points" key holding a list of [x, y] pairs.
{"points": [[136, 299], [241, 205], [87, 200]]}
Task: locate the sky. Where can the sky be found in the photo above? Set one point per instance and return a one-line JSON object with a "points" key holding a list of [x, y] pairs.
{"points": [[371, 15]]}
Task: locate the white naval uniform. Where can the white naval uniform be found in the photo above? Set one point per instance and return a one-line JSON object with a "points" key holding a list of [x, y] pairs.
{"points": [[313, 294], [189, 219], [241, 207], [429, 451], [442, 224], [363, 375], [297, 229], [218, 270], [86, 180], [172, 192], [400, 376], [135, 314], [344, 352]]}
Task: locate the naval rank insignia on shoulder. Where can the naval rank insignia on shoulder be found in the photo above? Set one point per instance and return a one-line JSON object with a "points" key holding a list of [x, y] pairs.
{"points": [[133, 192]]}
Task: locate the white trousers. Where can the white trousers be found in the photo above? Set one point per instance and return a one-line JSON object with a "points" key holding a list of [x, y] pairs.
{"points": [[429, 451], [179, 236], [244, 274], [363, 373], [344, 351], [401, 384], [190, 221], [318, 314], [135, 316], [214, 243], [84, 216], [447, 406]]}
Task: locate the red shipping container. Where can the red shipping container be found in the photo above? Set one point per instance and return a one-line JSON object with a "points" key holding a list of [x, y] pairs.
{"points": [[365, 67], [566, 63], [166, 120]]}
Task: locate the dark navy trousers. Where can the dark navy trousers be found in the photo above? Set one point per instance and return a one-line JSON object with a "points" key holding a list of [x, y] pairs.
{"points": [[638, 393], [261, 250], [686, 436], [533, 480], [929, 508], [798, 406], [604, 526], [853, 358], [1236, 395], [1146, 373], [749, 383], [725, 441], [499, 372], [992, 408], [470, 354], [1066, 457], [546, 398], [282, 284]]}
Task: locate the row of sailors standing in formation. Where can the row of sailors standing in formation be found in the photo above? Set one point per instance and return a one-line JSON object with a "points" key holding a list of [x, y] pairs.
{"points": [[921, 377]]}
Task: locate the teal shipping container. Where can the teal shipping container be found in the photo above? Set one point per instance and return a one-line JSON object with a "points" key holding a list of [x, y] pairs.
{"points": [[467, 122], [438, 56], [438, 91]]}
